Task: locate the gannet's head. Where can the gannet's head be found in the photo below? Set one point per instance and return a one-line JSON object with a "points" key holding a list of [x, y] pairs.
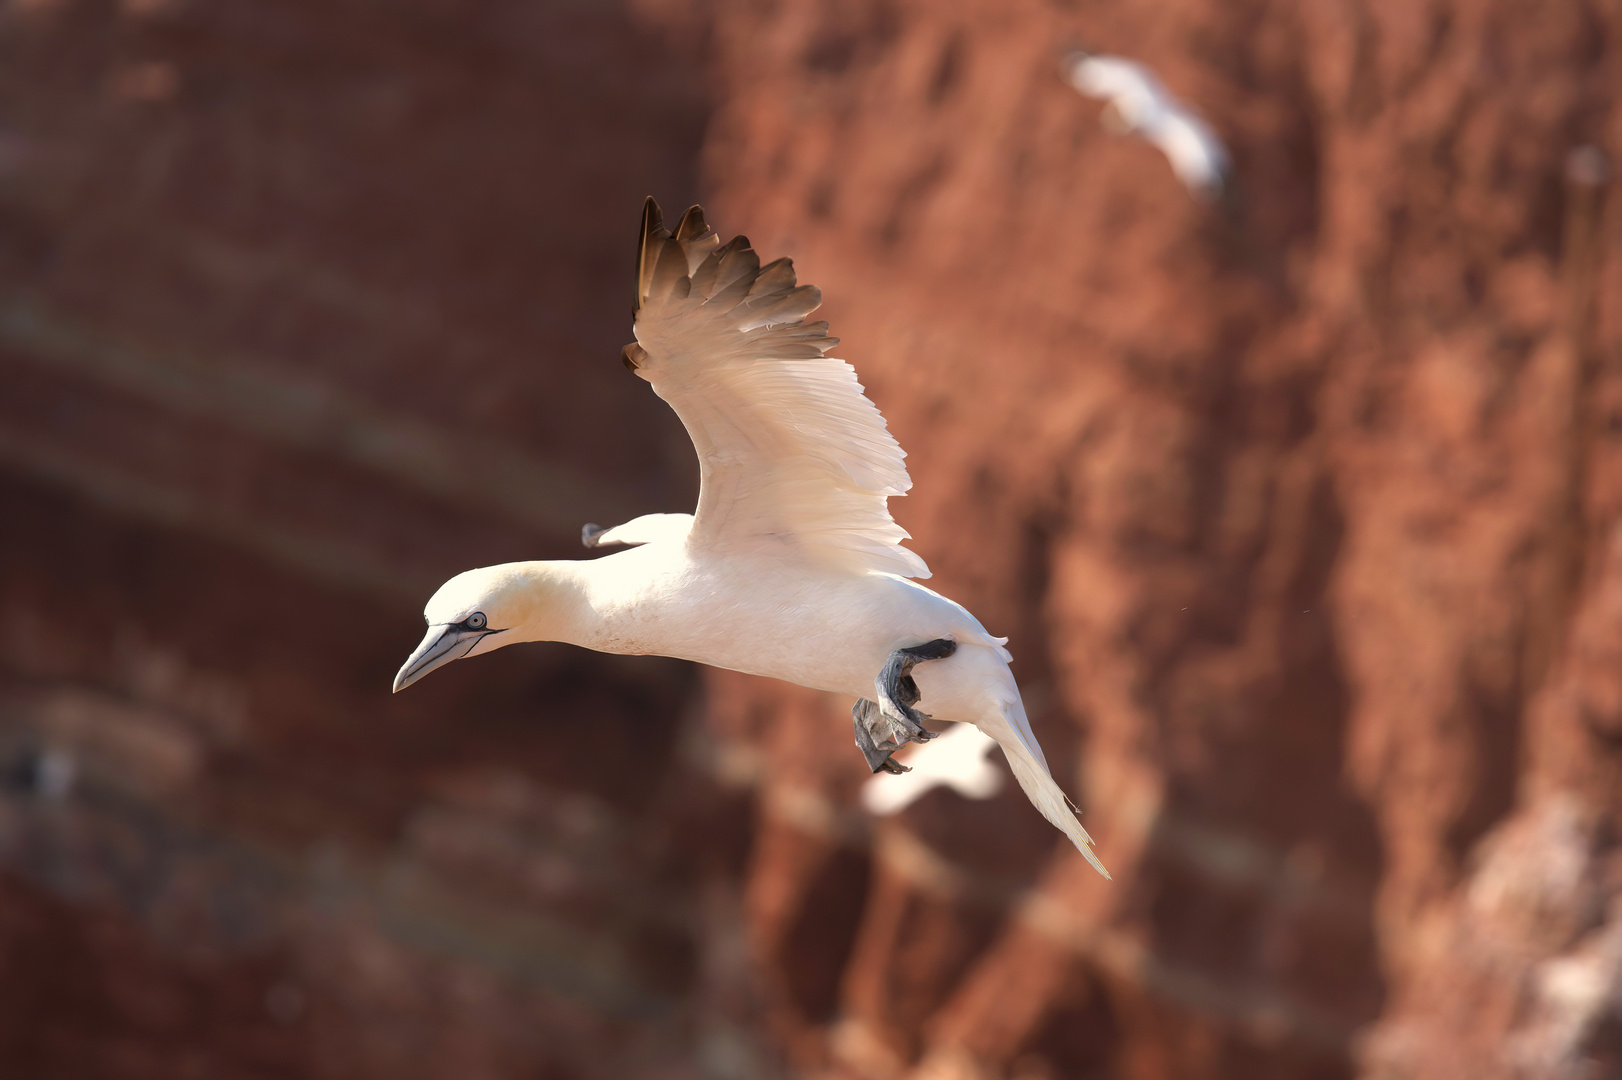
{"points": [[476, 611]]}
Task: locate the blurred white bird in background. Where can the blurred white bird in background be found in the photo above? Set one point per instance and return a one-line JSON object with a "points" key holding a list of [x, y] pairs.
{"points": [[957, 760], [1139, 105]]}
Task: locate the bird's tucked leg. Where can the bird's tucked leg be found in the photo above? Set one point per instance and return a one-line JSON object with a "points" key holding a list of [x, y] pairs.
{"points": [[884, 726]]}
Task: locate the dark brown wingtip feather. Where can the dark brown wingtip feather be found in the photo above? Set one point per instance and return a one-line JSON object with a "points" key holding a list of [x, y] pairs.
{"points": [[776, 276], [692, 224], [653, 228]]}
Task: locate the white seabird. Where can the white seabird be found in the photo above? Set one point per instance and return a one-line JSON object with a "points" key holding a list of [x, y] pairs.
{"points": [[791, 567], [956, 760], [1139, 105]]}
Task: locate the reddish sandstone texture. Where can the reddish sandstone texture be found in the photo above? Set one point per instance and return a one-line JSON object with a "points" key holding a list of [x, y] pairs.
{"points": [[1298, 510], [1298, 513]]}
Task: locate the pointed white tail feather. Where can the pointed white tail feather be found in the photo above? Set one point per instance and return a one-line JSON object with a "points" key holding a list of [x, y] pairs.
{"points": [[974, 684], [1011, 730]]}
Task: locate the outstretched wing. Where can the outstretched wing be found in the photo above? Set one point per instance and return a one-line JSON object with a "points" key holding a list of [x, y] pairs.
{"points": [[792, 456]]}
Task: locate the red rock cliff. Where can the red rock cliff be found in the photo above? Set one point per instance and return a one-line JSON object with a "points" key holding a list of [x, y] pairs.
{"points": [[1300, 519]]}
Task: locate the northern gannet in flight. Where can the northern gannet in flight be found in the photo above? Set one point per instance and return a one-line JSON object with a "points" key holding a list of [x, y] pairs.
{"points": [[1140, 105], [791, 567]]}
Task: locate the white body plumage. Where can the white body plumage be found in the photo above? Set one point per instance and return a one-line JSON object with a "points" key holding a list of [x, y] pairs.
{"points": [[807, 624]]}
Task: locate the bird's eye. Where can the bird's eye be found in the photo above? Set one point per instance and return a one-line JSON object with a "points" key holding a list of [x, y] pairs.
{"points": [[475, 621]]}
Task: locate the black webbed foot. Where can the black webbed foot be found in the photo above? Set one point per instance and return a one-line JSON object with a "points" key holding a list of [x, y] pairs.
{"points": [[883, 727]]}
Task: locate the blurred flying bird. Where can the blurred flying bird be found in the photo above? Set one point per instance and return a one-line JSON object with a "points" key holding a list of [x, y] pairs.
{"points": [[1139, 105], [957, 760], [791, 567]]}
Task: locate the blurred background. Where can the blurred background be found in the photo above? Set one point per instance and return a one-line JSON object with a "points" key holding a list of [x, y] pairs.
{"points": [[1300, 507]]}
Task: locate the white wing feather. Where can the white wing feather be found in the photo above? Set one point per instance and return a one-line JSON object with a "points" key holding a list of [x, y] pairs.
{"points": [[792, 456]]}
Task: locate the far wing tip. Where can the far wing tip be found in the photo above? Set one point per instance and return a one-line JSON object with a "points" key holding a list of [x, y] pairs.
{"points": [[653, 223], [692, 224]]}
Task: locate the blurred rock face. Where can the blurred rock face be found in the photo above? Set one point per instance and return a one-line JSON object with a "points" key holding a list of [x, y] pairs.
{"points": [[303, 309], [1298, 512], [1298, 516]]}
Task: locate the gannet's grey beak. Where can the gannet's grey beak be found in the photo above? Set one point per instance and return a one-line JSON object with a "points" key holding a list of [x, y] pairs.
{"points": [[443, 644]]}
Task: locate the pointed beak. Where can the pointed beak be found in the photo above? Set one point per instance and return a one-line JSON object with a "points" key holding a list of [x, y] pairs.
{"points": [[442, 645]]}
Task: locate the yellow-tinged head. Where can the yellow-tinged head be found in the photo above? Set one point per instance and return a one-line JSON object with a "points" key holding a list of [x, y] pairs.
{"points": [[482, 610]]}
